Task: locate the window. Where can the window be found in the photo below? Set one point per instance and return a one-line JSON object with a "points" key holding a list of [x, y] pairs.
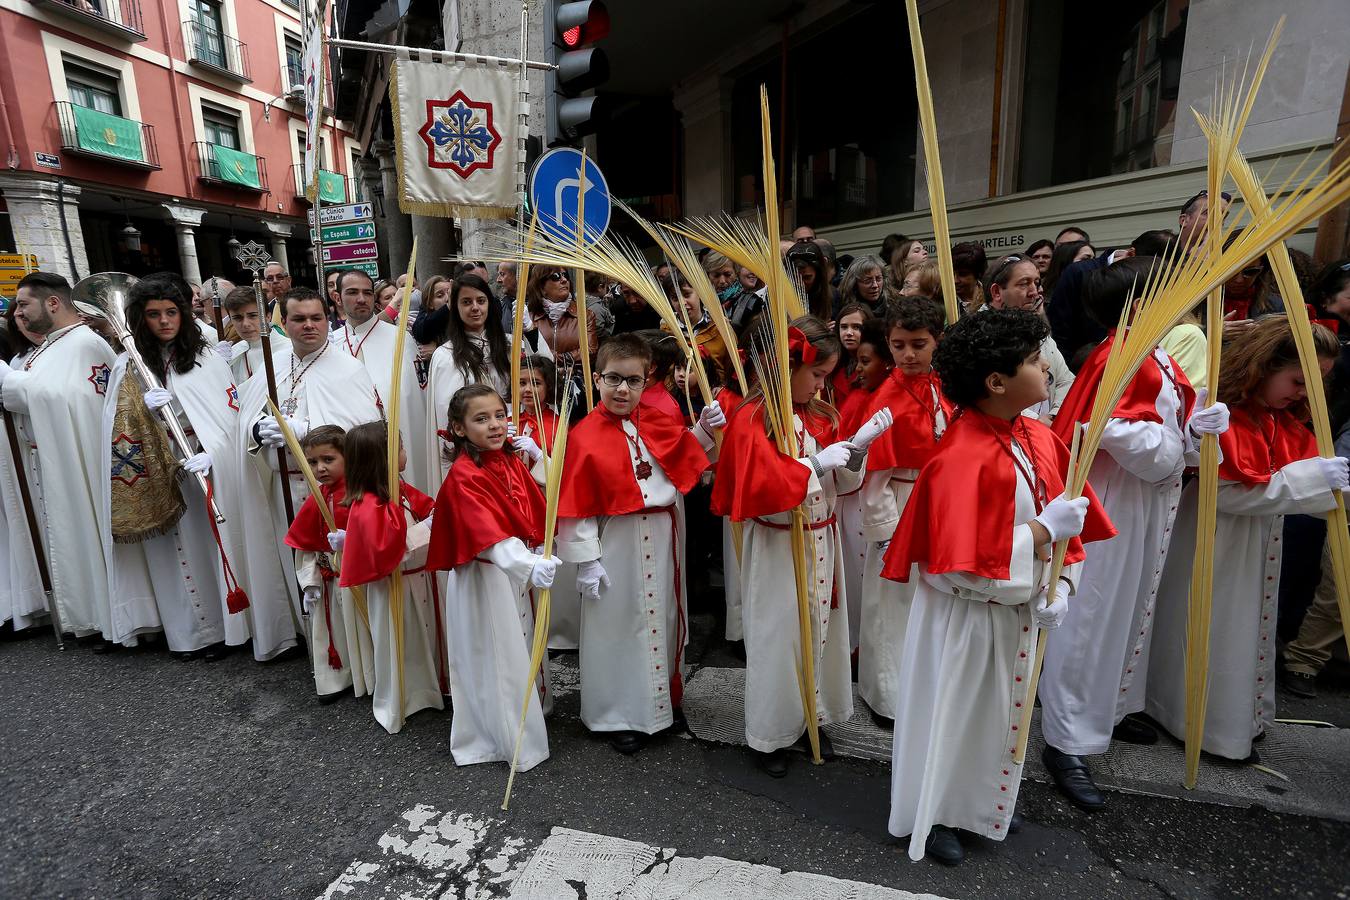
{"points": [[355, 171], [93, 89], [295, 66], [209, 32], [221, 127]]}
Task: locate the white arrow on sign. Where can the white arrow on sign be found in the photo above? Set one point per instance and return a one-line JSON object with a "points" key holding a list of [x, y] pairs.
{"points": [[351, 212]]}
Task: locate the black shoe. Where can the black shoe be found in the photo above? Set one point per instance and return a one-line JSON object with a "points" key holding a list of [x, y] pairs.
{"points": [[1073, 779], [678, 724], [881, 721], [326, 699], [217, 651], [628, 742], [1014, 823], [775, 763], [1132, 730], [944, 847], [296, 652], [1300, 684], [102, 647], [803, 745]]}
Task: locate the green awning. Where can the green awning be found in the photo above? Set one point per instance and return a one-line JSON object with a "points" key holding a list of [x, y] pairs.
{"points": [[106, 134], [235, 167], [332, 187]]}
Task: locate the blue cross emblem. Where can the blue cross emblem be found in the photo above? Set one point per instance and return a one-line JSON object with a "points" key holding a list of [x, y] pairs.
{"points": [[459, 135], [128, 460]]}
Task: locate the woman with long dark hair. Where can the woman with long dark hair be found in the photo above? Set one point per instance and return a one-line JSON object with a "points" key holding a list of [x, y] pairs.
{"points": [[176, 576], [475, 351], [1065, 255]]}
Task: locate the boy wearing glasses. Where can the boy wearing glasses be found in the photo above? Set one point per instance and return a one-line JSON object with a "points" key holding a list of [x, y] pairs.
{"points": [[620, 518], [1016, 284]]}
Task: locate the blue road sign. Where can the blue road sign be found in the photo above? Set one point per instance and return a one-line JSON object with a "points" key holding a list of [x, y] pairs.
{"points": [[555, 186]]}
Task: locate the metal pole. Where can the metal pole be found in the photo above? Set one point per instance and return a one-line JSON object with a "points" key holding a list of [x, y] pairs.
{"points": [[440, 55], [44, 573]]}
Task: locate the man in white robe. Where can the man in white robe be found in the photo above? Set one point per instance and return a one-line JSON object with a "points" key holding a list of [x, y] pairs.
{"points": [[22, 602], [369, 339], [57, 397], [317, 384]]}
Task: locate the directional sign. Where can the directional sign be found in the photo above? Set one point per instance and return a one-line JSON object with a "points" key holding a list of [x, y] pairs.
{"points": [[339, 234], [352, 212], [555, 186], [370, 268], [346, 253], [12, 269]]}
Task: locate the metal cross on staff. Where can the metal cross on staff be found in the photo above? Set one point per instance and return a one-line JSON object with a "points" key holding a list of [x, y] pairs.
{"points": [[254, 257]]}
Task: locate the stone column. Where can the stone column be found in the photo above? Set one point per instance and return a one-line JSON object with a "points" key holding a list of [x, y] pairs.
{"points": [[704, 105], [186, 220], [397, 227], [277, 233], [434, 243], [372, 191], [35, 209]]}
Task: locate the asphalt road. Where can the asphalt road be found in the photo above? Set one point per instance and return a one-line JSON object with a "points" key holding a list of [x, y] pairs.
{"points": [[138, 775]]}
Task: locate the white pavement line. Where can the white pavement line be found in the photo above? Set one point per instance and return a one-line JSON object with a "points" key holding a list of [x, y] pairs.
{"points": [[430, 855]]}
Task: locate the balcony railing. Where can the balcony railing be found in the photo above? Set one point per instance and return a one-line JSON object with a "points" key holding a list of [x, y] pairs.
{"points": [[295, 79], [228, 167], [206, 46], [93, 133], [333, 187], [121, 18]]}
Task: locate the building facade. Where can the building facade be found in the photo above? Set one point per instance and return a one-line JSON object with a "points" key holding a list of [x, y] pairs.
{"points": [[143, 135]]}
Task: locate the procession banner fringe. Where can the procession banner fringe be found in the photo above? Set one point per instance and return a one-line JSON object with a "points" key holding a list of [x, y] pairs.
{"points": [[543, 610]]}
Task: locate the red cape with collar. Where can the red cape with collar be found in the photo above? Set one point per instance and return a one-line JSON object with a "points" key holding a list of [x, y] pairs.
{"points": [[481, 504], [597, 478], [960, 516], [841, 384], [544, 426], [309, 531], [853, 413], [377, 535], [909, 443], [1139, 403], [753, 478], [1261, 441], [658, 397]]}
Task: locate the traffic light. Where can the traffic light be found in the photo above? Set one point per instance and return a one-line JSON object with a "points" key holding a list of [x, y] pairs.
{"points": [[581, 67]]}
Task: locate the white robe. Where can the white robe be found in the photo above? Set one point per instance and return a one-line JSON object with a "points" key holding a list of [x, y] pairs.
{"points": [[349, 635], [246, 358], [633, 637], [731, 579], [1096, 662], [1246, 598], [58, 404], [490, 630], [848, 509], [176, 581], [445, 376], [774, 717], [335, 390], [372, 342], [962, 686], [885, 603], [564, 623], [22, 601]]}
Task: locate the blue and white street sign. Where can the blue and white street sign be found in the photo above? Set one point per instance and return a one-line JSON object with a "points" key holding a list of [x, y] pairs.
{"points": [[555, 186]]}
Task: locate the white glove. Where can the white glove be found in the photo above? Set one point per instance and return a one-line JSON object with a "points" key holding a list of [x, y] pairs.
{"points": [[1046, 616], [226, 351], [510, 430], [337, 539], [835, 456], [712, 417], [873, 428], [269, 432], [541, 576], [157, 398], [1063, 517], [1212, 419], [311, 598], [198, 463], [590, 576], [527, 446], [1335, 471]]}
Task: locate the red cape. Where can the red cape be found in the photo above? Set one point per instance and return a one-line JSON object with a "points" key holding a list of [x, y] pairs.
{"points": [[377, 535], [1139, 403], [658, 397], [909, 443], [1261, 441], [544, 427], [841, 384], [853, 414], [481, 504], [960, 516], [309, 531], [597, 478], [753, 478]]}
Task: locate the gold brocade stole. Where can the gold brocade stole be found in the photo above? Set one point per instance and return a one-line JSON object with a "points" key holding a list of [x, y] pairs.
{"points": [[146, 499]]}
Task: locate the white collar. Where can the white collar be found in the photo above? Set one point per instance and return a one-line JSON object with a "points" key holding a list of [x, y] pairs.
{"points": [[369, 325], [311, 357], [53, 335]]}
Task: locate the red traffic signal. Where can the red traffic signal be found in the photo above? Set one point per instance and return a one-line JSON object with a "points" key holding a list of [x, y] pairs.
{"points": [[581, 23]]}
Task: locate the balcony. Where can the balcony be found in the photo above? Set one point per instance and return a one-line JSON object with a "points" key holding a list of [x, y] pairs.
{"points": [[220, 53], [332, 185], [227, 167], [89, 132], [119, 18]]}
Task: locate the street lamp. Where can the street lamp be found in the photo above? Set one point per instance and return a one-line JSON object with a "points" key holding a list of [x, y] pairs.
{"points": [[233, 242], [129, 232]]}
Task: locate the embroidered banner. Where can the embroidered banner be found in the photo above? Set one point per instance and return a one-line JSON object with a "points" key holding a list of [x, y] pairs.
{"points": [[105, 133], [457, 149], [314, 95], [332, 187], [235, 166]]}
